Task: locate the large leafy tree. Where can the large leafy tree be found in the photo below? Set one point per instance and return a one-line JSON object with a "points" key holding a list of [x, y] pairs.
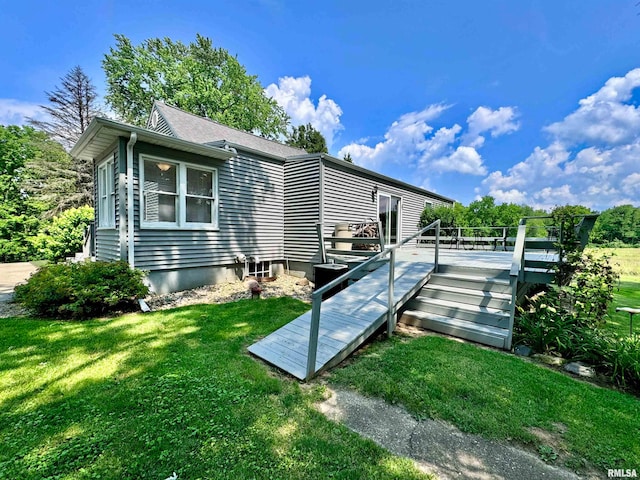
{"points": [[198, 78], [307, 138], [72, 106], [621, 223]]}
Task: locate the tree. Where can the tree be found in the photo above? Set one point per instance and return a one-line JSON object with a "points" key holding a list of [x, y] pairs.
{"points": [[72, 107], [618, 224], [18, 216], [198, 78], [307, 138]]}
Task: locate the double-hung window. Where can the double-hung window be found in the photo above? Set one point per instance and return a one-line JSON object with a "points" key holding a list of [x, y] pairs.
{"points": [[106, 195], [178, 195]]}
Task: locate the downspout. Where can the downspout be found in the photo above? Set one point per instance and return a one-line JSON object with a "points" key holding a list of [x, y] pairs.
{"points": [[130, 213]]}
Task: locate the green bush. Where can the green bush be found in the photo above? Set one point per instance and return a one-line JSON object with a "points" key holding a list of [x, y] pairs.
{"points": [[64, 236], [81, 290]]}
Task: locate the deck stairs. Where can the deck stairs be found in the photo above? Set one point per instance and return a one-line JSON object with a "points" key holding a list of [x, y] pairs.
{"points": [[467, 302]]}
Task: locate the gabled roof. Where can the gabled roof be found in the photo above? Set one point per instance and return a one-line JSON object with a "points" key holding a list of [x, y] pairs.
{"points": [[190, 127]]}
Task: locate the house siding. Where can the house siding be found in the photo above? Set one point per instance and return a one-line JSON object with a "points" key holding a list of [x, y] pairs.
{"points": [[108, 239], [301, 210], [250, 213], [348, 197]]}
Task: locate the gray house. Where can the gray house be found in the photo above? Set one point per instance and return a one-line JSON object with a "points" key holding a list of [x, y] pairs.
{"points": [[187, 199]]}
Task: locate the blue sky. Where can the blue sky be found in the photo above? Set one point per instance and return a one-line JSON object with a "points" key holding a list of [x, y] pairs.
{"points": [[532, 102]]}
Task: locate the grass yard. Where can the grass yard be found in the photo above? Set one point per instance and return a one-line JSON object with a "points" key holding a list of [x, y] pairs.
{"points": [[142, 396], [501, 396], [627, 294]]}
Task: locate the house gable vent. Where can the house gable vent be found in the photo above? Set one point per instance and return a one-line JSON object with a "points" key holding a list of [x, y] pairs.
{"points": [[159, 124]]}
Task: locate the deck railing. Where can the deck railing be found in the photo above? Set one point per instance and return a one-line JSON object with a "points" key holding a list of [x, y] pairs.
{"points": [[316, 297]]}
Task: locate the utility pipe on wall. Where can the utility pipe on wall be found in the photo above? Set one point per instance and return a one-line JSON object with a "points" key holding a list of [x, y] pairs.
{"points": [[130, 214]]}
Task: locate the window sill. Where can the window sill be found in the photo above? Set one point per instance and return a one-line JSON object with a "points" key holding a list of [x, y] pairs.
{"points": [[193, 227]]}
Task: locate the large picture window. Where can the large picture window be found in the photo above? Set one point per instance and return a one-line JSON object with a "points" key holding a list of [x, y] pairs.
{"points": [[106, 195], [175, 194]]}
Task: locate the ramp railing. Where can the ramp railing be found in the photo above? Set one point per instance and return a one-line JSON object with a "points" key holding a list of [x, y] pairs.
{"points": [[316, 297]]}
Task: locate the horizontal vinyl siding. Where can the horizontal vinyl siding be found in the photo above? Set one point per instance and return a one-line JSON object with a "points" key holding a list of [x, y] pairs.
{"points": [[347, 197], [302, 210], [107, 244], [250, 216]]}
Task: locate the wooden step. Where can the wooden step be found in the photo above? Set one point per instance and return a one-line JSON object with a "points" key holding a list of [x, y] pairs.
{"points": [[484, 334], [496, 273], [479, 282], [468, 296], [470, 313]]}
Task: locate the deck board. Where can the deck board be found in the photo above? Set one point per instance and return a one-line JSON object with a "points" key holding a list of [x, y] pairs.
{"points": [[346, 319]]}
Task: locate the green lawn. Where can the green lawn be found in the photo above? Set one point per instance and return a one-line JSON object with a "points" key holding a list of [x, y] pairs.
{"points": [[142, 396], [500, 396], [626, 295]]}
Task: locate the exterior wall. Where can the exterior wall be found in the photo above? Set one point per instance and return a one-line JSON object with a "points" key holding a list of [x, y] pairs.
{"points": [[347, 196], [250, 213], [107, 239], [301, 212]]}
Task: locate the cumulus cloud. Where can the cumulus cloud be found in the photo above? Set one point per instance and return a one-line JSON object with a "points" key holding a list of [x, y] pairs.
{"points": [[412, 139], [592, 158], [15, 112], [293, 94]]}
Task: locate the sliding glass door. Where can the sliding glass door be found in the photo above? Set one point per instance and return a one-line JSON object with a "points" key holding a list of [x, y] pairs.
{"points": [[389, 208]]}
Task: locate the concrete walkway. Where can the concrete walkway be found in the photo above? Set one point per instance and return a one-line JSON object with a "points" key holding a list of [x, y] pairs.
{"points": [[12, 274], [435, 446]]}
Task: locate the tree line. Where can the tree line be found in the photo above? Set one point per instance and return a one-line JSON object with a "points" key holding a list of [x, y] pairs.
{"points": [[616, 226]]}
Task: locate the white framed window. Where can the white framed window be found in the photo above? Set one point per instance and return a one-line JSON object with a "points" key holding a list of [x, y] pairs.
{"points": [[177, 195], [428, 204], [106, 195], [260, 269]]}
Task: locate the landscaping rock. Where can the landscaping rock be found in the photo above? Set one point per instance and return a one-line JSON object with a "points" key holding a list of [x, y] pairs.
{"points": [[580, 369], [549, 359], [303, 282], [522, 351]]}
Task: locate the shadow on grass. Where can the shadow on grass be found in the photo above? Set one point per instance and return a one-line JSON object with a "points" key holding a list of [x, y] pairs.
{"points": [[142, 396]]}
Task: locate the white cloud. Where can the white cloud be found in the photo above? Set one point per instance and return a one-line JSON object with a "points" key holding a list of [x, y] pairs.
{"points": [[411, 139], [497, 122], [404, 140], [603, 118], [15, 112], [293, 95], [592, 158], [464, 160]]}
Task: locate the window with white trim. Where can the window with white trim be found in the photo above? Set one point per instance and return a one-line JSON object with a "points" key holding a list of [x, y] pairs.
{"points": [[106, 195], [428, 204], [176, 194]]}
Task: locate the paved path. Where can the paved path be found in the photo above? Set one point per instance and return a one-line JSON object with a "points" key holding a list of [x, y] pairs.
{"points": [[437, 447], [11, 274]]}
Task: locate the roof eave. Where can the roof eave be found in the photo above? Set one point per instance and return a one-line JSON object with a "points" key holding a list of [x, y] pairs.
{"points": [[117, 129], [357, 168]]}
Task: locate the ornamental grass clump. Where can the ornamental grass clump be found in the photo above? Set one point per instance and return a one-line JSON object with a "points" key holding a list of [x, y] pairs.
{"points": [[82, 290]]}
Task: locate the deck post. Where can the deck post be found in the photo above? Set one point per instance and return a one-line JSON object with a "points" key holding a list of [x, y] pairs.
{"points": [[437, 250], [313, 336], [391, 314]]}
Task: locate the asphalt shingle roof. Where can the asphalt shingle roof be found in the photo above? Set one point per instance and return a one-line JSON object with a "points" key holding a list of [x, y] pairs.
{"points": [[193, 128]]}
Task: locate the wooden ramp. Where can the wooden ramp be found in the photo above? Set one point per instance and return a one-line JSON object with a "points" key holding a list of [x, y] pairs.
{"points": [[346, 320]]}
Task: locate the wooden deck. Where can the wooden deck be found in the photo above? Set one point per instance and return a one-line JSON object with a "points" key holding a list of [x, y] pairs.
{"points": [[347, 319]]}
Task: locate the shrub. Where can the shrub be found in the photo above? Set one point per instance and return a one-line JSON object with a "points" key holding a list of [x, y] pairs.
{"points": [[64, 236], [81, 290]]}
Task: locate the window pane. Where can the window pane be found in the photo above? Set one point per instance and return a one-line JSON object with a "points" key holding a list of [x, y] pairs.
{"points": [[199, 182], [160, 176], [198, 210], [159, 207]]}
